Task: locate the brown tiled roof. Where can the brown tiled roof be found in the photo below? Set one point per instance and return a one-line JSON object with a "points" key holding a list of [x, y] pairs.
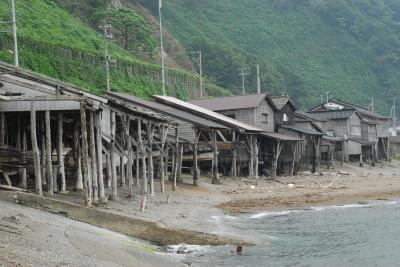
{"points": [[232, 102]]}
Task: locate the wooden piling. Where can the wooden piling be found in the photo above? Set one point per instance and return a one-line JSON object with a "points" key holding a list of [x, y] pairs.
{"points": [[175, 169], [85, 155], [114, 184], [35, 148], [93, 165], [60, 154], [195, 167], [150, 136], [99, 154], [215, 179], [234, 155], [49, 163]]}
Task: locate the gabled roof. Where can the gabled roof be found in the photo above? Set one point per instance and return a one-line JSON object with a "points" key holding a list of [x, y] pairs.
{"points": [[166, 110], [306, 116], [339, 114], [206, 113], [281, 101], [233, 102], [360, 109], [301, 129], [44, 83]]}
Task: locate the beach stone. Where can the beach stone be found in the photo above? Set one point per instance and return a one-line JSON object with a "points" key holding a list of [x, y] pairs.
{"points": [[12, 219]]}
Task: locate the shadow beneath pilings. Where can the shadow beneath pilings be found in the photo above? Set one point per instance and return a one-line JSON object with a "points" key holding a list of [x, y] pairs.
{"points": [[146, 230]]}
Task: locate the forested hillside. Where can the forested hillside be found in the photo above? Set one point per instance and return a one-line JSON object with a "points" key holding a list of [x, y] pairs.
{"points": [[305, 47], [63, 39]]}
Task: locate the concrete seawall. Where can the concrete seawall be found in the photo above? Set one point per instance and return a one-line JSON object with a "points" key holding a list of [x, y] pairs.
{"points": [[127, 225]]}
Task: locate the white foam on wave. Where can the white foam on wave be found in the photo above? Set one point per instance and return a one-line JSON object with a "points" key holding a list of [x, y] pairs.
{"points": [[230, 217], [184, 249], [273, 213]]}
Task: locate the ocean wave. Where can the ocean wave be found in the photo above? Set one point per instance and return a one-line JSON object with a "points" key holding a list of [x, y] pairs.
{"points": [[272, 213]]}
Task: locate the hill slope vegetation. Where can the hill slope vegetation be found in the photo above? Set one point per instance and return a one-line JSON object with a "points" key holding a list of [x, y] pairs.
{"points": [[350, 48]]}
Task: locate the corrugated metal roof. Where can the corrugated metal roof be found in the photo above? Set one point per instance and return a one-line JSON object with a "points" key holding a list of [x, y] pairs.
{"points": [[167, 110], [331, 114], [206, 113], [232, 102], [280, 136]]}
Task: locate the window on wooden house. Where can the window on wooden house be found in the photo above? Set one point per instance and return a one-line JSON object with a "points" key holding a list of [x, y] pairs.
{"points": [[372, 129], [355, 130], [329, 133], [285, 117], [265, 117]]}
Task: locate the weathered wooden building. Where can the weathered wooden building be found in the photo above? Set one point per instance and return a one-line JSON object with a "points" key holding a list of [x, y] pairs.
{"points": [[372, 132], [306, 153], [55, 137], [259, 110]]}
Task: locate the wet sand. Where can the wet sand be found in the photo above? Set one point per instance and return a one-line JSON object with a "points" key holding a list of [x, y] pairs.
{"points": [[198, 208], [30, 237]]}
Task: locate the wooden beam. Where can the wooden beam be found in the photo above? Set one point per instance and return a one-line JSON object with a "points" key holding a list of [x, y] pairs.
{"points": [[222, 136], [175, 167], [114, 184], [49, 163], [215, 179], [24, 182], [2, 129], [43, 151], [150, 136], [78, 160], [93, 165], [35, 148], [60, 149], [99, 154], [142, 152], [162, 157], [195, 168], [234, 155], [85, 155]]}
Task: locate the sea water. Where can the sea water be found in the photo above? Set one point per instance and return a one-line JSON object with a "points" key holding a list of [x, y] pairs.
{"points": [[360, 234]]}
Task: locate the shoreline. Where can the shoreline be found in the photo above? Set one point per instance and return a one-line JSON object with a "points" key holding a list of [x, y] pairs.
{"points": [[301, 202]]}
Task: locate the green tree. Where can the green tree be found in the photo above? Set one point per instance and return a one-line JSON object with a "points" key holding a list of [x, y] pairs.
{"points": [[129, 27]]}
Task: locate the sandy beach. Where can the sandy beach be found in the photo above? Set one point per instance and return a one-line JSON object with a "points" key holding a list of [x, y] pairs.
{"points": [[191, 208], [198, 208]]}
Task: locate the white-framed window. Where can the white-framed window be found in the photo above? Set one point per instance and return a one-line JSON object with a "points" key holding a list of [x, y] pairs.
{"points": [[285, 117], [355, 130], [329, 133], [372, 129]]}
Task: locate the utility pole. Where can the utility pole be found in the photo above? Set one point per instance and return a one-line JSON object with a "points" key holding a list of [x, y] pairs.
{"points": [[107, 58], [394, 114], [14, 33], [243, 75], [372, 105], [199, 60], [162, 48], [258, 80]]}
